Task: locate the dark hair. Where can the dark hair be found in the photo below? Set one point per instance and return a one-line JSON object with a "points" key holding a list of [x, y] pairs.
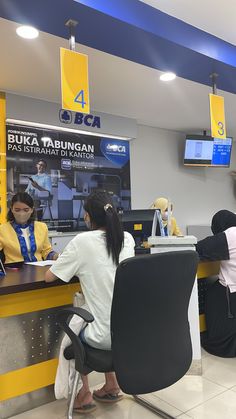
{"points": [[26, 199], [223, 220], [103, 215], [44, 162]]}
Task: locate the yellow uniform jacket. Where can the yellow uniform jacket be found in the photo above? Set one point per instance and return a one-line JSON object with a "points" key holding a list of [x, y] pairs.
{"points": [[10, 245], [174, 229]]}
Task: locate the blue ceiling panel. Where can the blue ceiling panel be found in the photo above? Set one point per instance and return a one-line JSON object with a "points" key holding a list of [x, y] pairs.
{"points": [[134, 31]]}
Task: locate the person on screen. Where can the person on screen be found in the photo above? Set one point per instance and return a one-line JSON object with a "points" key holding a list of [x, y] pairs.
{"points": [[21, 237], [93, 257], [220, 299], [162, 205], [41, 182]]}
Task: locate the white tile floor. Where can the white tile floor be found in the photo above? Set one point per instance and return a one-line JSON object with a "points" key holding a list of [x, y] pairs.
{"points": [[212, 396]]}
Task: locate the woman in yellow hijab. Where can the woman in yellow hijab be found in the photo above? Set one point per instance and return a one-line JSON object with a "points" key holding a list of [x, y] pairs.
{"points": [[162, 205]]}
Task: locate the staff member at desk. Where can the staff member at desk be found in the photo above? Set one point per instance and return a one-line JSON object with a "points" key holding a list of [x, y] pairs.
{"points": [[220, 304], [162, 205], [22, 238], [93, 257]]}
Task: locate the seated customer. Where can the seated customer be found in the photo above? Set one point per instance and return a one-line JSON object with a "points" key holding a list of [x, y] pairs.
{"points": [[220, 301], [93, 257], [162, 205], [22, 238]]}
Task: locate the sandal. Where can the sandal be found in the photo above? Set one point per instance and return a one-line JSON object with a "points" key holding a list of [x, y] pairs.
{"points": [[85, 408], [111, 396]]}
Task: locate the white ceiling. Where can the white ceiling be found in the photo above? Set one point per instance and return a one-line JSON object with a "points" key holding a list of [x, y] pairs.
{"points": [[117, 86], [213, 16]]}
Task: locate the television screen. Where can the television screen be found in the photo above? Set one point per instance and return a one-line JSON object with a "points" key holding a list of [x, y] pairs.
{"points": [[207, 151]]}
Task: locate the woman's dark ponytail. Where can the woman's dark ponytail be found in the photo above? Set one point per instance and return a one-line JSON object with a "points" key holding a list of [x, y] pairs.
{"points": [[114, 234], [103, 215]]}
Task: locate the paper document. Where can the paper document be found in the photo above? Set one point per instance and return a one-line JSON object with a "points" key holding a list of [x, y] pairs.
{"points": [[41, 263]]}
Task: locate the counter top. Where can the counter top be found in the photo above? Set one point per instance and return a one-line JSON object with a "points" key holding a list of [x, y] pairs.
{"points": [[31, 277], [53, 233], [27, 278]]}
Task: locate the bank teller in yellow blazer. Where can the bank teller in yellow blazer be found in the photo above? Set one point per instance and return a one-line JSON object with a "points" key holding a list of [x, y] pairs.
{"points": [[22, 238], [162, 205]]}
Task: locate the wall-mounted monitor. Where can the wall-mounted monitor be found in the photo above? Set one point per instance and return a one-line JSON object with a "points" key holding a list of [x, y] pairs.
{"points": [[207, 151]]}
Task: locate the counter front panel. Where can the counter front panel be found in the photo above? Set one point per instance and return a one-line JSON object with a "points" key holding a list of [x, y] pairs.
{"points": [[30, 337]]}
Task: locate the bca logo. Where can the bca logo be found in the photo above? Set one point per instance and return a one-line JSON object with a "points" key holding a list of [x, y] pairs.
{"points": [[66, 164], [65, 116], [79, 119], [116, 148]]}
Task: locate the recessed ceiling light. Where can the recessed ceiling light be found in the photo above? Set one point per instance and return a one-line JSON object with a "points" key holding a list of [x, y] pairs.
{"points": [[168, 76], [27, 32]]}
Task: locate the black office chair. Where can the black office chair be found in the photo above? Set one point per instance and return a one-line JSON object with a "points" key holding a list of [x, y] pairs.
{"points": [[151, 344]]}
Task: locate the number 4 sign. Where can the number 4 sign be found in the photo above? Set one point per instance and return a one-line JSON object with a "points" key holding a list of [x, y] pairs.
{"points": [[217, 111], [74, 81]]}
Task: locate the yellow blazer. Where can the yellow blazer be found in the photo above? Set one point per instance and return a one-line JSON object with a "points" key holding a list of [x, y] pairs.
{"points": [[10, 245], [174, 229]]}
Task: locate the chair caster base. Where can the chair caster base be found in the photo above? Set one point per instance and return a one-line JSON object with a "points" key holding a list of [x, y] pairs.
{"points": [[152, 407]]}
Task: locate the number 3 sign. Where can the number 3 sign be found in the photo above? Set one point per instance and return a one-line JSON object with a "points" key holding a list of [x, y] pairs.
{"points": [[217, 113]]}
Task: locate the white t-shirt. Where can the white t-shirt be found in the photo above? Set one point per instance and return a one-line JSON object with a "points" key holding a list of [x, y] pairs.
{"points": [[227, 275], [86, 257]]}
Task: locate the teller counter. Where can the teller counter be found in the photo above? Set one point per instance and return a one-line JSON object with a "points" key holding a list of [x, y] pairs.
{"points": [[29, 337]]}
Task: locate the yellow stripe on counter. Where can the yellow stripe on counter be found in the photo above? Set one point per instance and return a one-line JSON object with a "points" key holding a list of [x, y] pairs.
{"points": [[3, 182], [206, 269], [25, 380], [202, 322], [42, 299]]}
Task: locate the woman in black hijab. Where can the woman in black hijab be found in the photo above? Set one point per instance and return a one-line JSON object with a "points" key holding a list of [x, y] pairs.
{"points": [[223, 220], [220, 303]]}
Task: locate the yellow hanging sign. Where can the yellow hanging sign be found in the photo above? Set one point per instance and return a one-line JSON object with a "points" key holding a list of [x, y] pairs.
{"points": [[74, 81], [217, 113]]}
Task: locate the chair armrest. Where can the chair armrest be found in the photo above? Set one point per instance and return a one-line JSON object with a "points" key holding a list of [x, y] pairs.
{"points": [[63, 317], [65, 313]]}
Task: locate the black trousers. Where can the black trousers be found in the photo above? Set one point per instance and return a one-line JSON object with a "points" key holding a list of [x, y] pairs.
{"points": [[220, 337]]}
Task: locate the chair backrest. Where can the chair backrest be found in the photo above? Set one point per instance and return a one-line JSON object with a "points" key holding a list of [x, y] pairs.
{"points": [[151, 341]]}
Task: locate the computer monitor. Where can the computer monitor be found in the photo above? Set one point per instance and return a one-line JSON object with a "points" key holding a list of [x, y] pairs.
{"points": [[139, 224]]}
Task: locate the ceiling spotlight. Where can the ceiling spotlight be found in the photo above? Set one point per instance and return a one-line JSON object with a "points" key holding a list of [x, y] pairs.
{"points": [[27, 32], [168, 76]]}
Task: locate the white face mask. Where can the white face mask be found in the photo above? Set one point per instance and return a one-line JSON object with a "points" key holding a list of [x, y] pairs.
{"points": [[87, 221], [21, 217], [165, 216], [88, 224]]}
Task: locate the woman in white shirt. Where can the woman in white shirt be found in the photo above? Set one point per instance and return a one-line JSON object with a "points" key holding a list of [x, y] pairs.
{"points": [[93, 257], [220, 299]]}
